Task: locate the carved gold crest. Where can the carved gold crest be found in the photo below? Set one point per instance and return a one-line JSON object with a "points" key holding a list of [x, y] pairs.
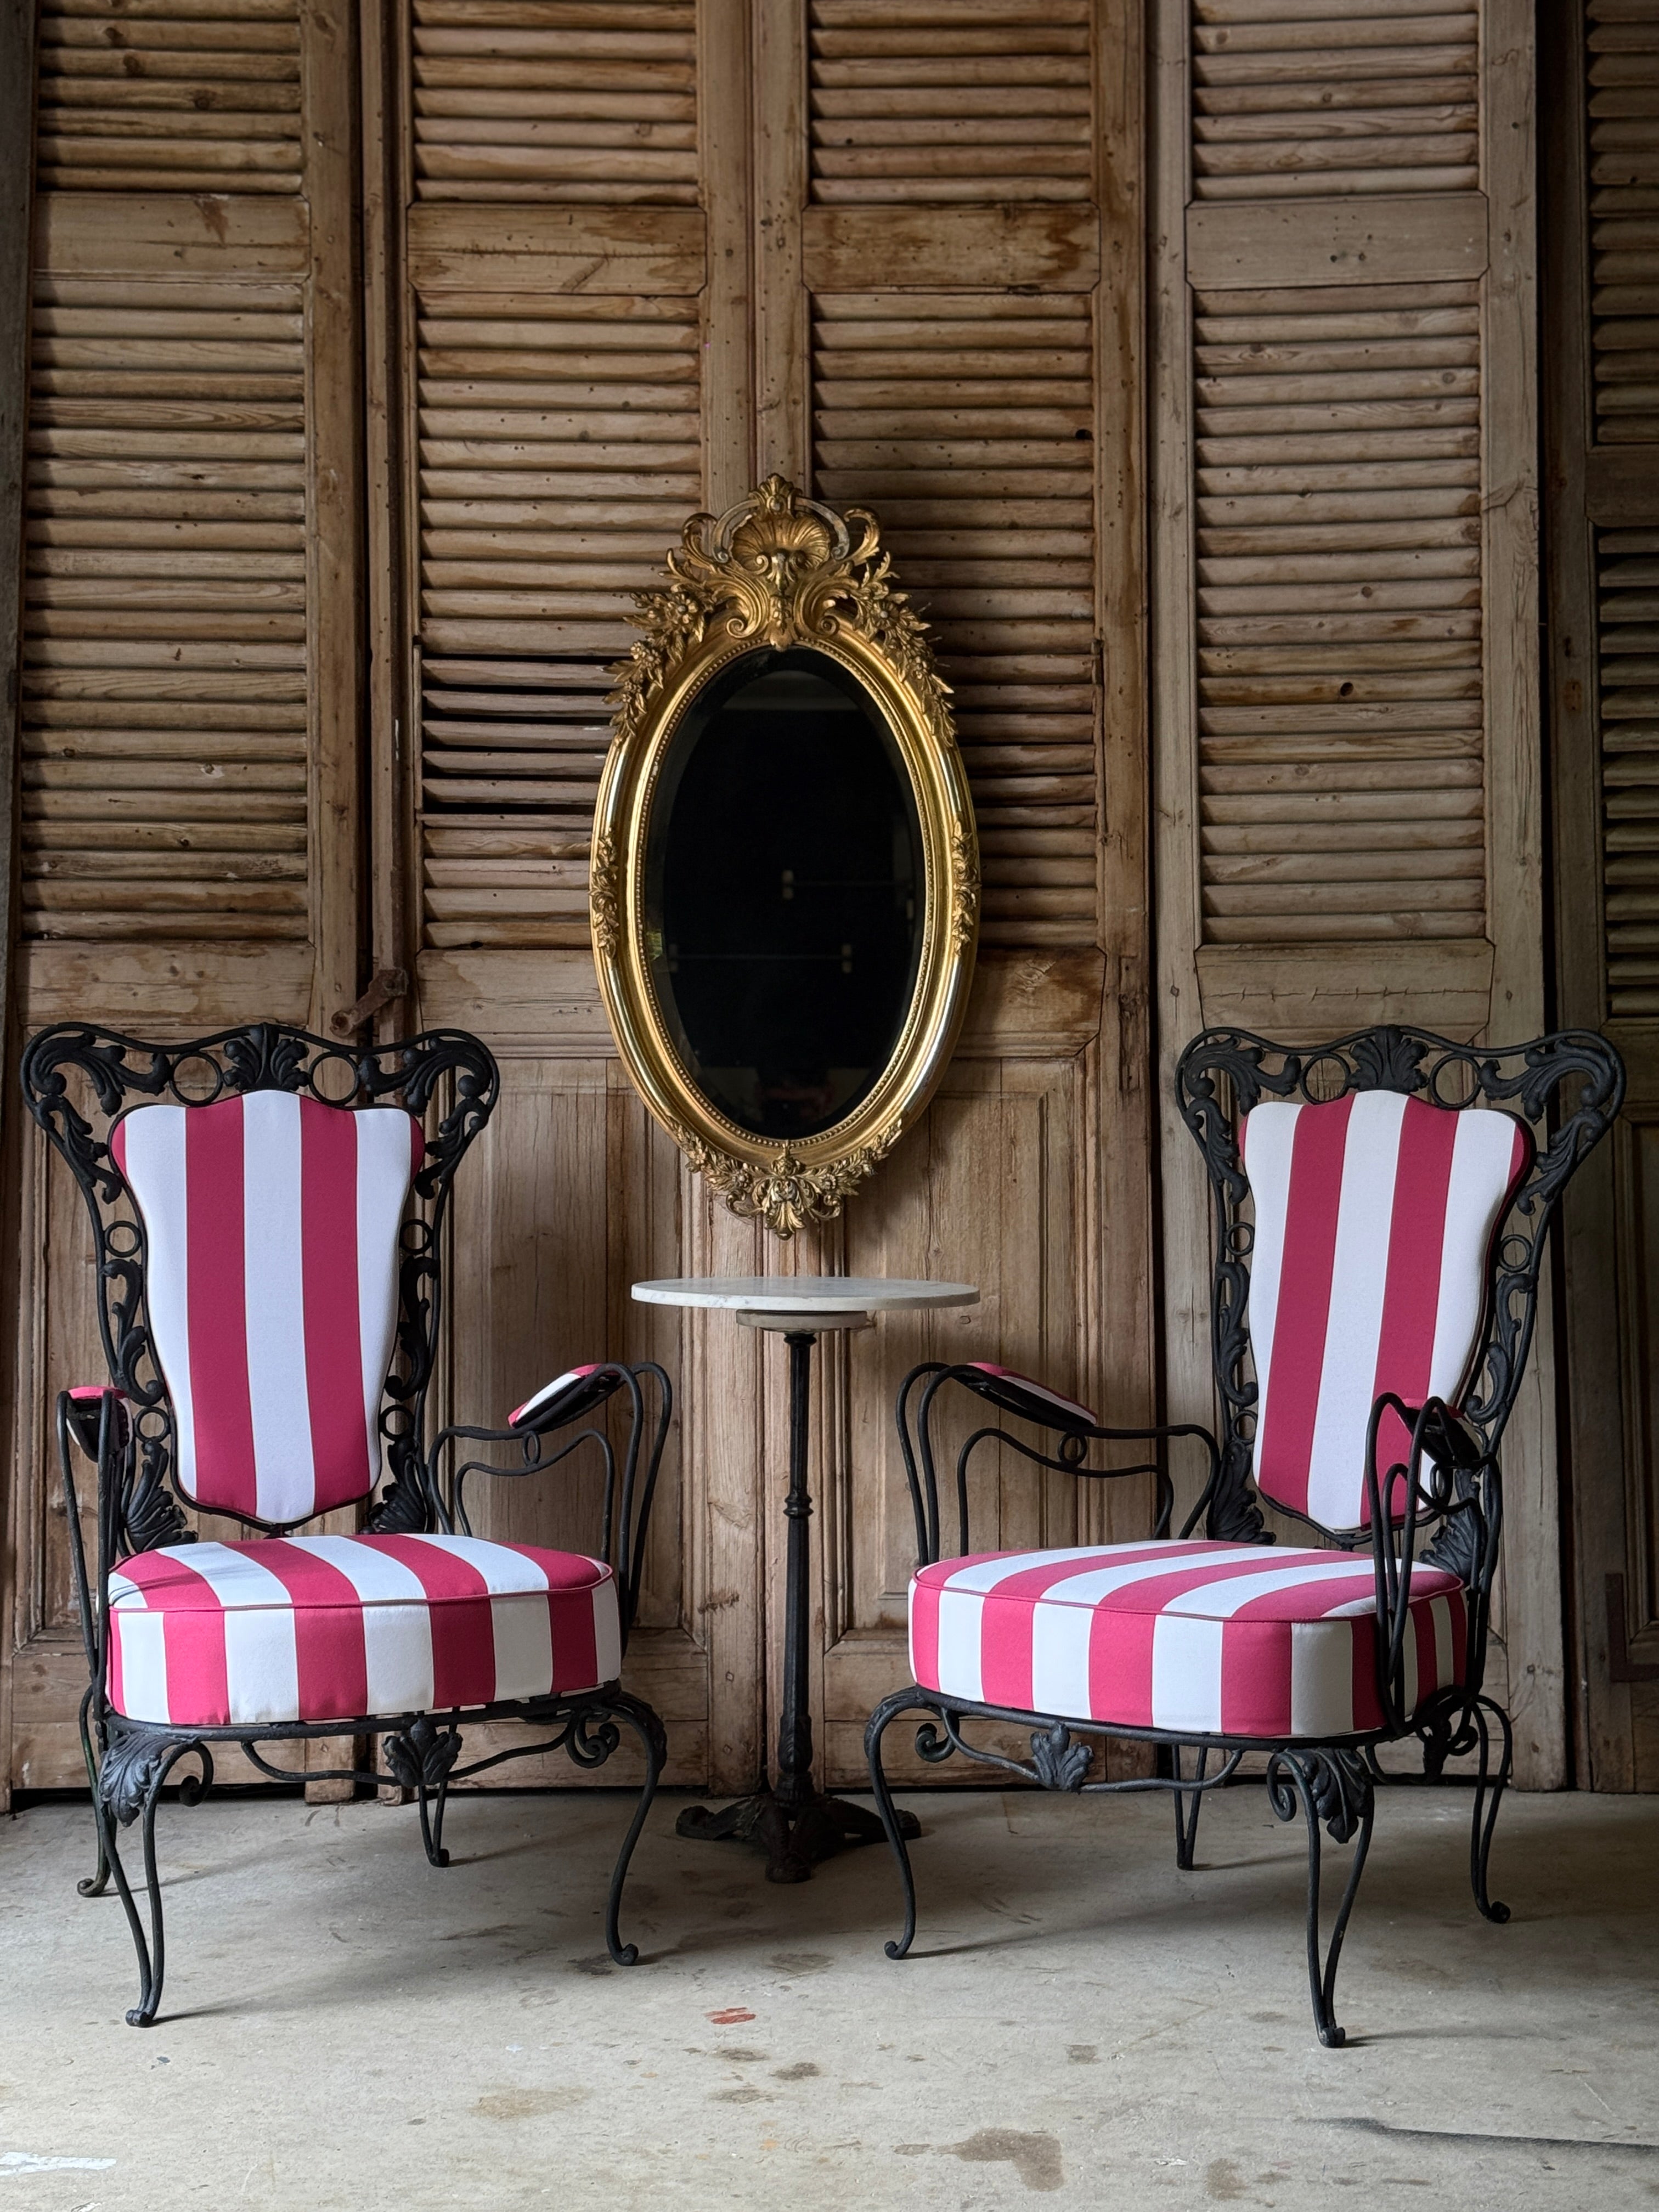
{"points": [[781, 570]]}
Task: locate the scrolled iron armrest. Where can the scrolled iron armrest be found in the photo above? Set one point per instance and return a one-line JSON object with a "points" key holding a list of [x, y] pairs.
{"points": [[577, 1393], [1462, 1481], [94, 1417], [81, 1414], [1032, 1401]]}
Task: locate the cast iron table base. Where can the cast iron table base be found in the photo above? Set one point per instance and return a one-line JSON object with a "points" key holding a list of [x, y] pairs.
{"points": [[795, 1822], [793, 1840]]}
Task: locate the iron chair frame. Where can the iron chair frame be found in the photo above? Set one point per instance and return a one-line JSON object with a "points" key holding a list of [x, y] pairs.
{"points": [[129, 1435], [1448, 1490]]}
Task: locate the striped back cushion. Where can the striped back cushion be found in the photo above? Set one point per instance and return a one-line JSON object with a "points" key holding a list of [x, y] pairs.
{"points": [[272, 1223], [1375, 1216]]}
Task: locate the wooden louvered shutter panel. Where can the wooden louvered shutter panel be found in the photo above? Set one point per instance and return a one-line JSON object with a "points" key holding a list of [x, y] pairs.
{"points": [[175, 680], [1623, 155], [1344, 610], [1600, 171], [947, 322], [966, 417], [557, 435], [1333, 432], [191, 657], [549, 267]]}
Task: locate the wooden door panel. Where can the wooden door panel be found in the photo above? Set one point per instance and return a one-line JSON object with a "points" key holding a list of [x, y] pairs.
{"points": [[1602, 531], [189, 832], [1348, 743], [552, 303]]}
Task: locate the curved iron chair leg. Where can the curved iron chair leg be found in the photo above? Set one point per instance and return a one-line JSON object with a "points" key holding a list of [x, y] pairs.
{"points": [[885, 1713], [1480, 1831], [1188, 1804], [150, 1990], [135, 1795], [432, 1804], [653, 1740], [1335, 1788], [94, 1884]]}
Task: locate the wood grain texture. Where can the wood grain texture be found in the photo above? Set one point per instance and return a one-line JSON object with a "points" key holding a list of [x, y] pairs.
{"points": [[1602, 473], [909, 107], [1348, 486], [191, 659]]}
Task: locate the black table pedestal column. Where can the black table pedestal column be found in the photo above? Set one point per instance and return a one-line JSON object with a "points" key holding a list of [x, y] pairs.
{"points": [[795, 1822]]}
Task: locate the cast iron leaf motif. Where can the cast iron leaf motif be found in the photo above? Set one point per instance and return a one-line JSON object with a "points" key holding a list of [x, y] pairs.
{"points": [[1387, 1059], [1060, 1763], [420, 1756], [128, 1771], [1339, 1784]]}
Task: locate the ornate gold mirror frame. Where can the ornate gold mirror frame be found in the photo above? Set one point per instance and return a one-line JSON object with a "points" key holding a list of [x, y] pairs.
{"points": [[782, 570]]}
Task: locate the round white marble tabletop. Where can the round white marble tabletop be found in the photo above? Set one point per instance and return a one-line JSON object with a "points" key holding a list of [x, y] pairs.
{"points": [[805, 1294]]}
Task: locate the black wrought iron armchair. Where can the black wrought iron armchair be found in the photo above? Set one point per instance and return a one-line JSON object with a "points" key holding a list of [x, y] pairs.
{"points": [[268, 1218], [1395, 1226]]}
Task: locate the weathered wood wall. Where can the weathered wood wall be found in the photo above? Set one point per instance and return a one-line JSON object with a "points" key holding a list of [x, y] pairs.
{"points": [[1602, 294], [1344, 591], [541, 276]]}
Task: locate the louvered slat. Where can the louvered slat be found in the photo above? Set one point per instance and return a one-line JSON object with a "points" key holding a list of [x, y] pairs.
{"points": [[169, 96], [1624, 176], [965, 422], [555, 100], [1627, 580], [559, 455], [916, 101], [1338, 613], [164, 679], [1291, 100]]}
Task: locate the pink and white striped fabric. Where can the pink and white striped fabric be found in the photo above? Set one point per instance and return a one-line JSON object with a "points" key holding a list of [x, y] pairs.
{"points": [[324, 1628], [1375, 1216], [1023, 1394], [565, 1396], [1217, 1639], [271, 1281]]}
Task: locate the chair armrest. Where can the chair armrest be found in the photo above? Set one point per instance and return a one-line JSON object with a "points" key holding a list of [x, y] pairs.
{"points": [[81, 1408], [570, 1399], [1023, 1395], [1463, 1494]]}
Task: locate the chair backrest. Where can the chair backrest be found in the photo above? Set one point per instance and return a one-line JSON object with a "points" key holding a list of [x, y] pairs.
{"points": [[269, 1290], [270, 1224], [1377, 1226], [1371, 1271]]}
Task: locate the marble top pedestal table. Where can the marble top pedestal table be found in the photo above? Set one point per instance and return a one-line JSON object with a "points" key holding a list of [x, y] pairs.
{"points": [[795, 1822]]}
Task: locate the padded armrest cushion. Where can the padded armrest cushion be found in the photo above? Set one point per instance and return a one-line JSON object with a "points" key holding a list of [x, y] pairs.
{"points": [[1022, 1395], [568, 1397], [86, 1412]]}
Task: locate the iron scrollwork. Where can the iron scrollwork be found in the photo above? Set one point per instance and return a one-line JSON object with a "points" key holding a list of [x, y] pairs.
{"points": [[1224, 1072]]}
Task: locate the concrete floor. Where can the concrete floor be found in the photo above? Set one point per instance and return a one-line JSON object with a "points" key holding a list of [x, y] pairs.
{"points": [[345, 2028]]}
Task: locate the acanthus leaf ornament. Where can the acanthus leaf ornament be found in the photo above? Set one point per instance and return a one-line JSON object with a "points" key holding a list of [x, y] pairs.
{"points": [[784, 1194]]}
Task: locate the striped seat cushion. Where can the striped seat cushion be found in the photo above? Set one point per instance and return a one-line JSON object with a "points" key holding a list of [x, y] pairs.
{"points": [[323, 1628], [271, 1226], [1217, 1639], [1375, 1218]]}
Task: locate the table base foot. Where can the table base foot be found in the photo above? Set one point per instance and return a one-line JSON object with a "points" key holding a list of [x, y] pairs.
{"points": [[795, 1841]]}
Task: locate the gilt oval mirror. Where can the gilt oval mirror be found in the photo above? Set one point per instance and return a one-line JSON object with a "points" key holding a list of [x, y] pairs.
{"points": [[785, 878]]}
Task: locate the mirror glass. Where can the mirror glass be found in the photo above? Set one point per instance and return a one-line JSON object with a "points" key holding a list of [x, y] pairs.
{"points": [[783, 892]]}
